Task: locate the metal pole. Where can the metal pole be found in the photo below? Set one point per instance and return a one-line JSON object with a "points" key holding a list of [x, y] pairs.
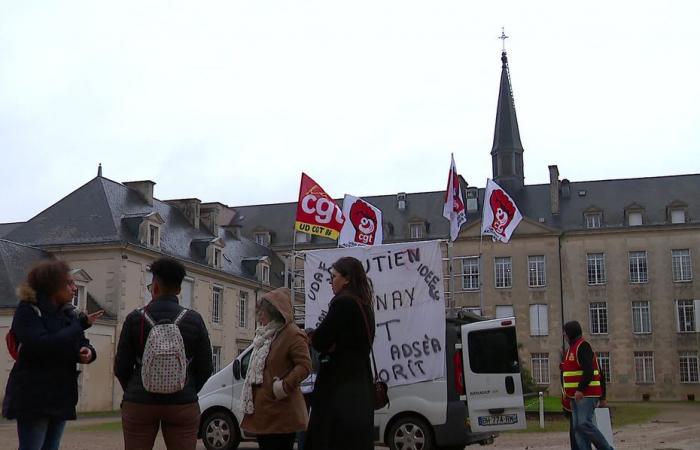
{"points": [[481, 274], [541, 409], [450, 261]]}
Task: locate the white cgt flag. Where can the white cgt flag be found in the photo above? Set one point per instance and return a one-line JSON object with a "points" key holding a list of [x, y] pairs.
{"points": [[453, 210], [501, 215], [363, 223]]}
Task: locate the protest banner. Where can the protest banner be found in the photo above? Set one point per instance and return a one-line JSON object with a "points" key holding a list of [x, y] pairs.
{"points": [[363, 223], [409, 305]]}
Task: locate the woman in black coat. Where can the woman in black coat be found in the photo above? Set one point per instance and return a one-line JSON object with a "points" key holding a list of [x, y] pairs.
{"points": [[42, 389], [342, 409]]}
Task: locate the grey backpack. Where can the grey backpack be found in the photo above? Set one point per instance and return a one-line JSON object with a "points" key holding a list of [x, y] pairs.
{"points": [[164, 363]]}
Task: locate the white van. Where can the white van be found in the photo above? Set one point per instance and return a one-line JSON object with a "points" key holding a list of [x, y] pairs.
{"points": [[481, 395]]}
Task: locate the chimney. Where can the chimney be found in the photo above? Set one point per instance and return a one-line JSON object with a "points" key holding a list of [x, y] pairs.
{"points": [[145, 188], [554, 189], [210, 214], [190, 207]]}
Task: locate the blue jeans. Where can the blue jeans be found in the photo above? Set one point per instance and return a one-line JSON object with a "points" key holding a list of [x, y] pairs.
{"points": [[42, 433], [586, 432]]}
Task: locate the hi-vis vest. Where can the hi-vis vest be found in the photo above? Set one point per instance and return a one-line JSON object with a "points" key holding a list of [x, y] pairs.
{"points": [[572, 373]]}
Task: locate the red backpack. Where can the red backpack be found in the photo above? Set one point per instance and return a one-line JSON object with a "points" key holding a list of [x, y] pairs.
{"points": [[13, 346]]}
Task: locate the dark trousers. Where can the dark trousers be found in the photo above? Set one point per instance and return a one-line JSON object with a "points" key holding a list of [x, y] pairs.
{"points": [[40, 433], [179, 423], [276, 441]]}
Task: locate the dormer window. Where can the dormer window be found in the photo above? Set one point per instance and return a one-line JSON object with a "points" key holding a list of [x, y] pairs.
{"points": [[401, 201], [262, 238], [416, 230], [265, 273], [153, 235], [149, 230], [678, 216], [635, 215], [81, 279], [594, 219], [677, 212], [302, 238], [215, 253]]}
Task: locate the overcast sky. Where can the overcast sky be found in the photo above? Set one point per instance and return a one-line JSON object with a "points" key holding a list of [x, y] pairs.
{"points": [[230, 101]]}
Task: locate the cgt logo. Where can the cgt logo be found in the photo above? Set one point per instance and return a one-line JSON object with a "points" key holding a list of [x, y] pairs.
{"points": [[322, 209]]}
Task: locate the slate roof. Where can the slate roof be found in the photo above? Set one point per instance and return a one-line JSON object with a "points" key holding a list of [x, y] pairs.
{"points": [[5, 228], [15, 261], [103, 211], [654, 194]]}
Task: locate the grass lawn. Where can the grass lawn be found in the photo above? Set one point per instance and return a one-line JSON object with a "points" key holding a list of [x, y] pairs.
{"points": [[551, 404], [100, 427]]}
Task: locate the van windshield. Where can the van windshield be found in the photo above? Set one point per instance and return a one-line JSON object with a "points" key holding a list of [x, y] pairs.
{"points": [[493, 351]]}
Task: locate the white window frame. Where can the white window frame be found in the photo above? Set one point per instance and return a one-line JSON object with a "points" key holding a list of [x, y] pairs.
{"points": [[678, 215], [593, 219], [605, 364], [182, 291], [689, 367], [540, 368], [217, 257], [302, 238], [503, 272], [639, 267], [598, 317], [641, 317], [243, 309], [539, 320], [536, 271], [153, 235], [217, 303], [262, 238], [595, 269], [635, 218], [216, 357], [416, 230], [471, 278], [503, 311], [79, 300], [265, 273], [473, 309], [644, 368], [687, 315], [681, 265]]}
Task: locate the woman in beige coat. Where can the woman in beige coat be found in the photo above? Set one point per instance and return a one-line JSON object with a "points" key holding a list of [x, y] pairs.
{"points": [[271, 400]]}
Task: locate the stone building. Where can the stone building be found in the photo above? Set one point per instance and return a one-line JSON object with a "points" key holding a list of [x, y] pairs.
{"points": [[617, 255], [110, 233]]}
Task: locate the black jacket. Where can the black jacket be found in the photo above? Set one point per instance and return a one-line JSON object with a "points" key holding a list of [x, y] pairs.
{"points": [[130, 348], [342, 411], [44, 380]]}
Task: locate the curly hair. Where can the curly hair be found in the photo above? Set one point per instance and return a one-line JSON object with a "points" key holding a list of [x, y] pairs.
{"points": [[47, 277]]}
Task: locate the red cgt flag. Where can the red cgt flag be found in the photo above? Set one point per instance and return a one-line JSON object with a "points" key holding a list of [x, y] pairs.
{"points": [[317, 212]]}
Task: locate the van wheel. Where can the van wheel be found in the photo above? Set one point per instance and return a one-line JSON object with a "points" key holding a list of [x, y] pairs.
{"points": [[410, 433], [219, 432]]}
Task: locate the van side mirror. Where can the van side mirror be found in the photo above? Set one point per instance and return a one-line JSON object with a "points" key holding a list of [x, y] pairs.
{"points": [[236, 369]]}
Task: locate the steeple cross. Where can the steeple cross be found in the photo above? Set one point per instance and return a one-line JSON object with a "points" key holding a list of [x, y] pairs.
{"points": [[503, 37]]}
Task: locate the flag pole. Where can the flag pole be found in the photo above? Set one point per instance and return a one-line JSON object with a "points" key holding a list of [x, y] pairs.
{"points": [[481, 272]]}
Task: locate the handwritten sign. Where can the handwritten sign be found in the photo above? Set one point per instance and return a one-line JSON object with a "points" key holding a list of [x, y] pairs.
{"points": [[409, 305]]}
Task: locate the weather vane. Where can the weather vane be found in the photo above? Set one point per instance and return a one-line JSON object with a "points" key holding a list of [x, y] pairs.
{"points": [[503, 37]]}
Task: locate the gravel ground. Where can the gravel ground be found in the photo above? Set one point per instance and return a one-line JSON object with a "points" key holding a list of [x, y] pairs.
{"points": [[677, 427]]}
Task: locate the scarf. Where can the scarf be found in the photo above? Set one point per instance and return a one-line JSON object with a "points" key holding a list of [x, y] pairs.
{"points": [[262, 341]]}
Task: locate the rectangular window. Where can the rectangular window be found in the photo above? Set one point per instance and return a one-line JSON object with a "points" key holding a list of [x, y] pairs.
{"points": [[536, 271], [473, 310], [678, 216], [644, 367], [539, 325], [216, 300], [681, 265], [79, 299], [638, 267], [689, 367], [415, 230], [686, 315], [594, 220], [604, 364], [216, 358], [504, 311], [504, 272], [265, 272], [470, 273], [599, 317], [187, 292], [217, 257], [153, 240], [540, 368], [262, 238], [242, 309], [596, 268], [641, 317], [634, 219]]}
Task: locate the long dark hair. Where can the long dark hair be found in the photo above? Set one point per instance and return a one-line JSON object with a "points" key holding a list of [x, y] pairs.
{"points": [[358, 282]]}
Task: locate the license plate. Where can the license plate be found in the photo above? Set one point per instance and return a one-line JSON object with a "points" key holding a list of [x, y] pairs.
{"points": [[503, 419]]}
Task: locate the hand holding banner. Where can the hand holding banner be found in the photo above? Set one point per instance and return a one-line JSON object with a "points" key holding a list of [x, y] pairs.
{"points": [[317, 212]]}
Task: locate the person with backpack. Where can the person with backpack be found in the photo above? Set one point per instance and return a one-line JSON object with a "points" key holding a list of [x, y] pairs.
{"points": [[163, 359], [47, 339]]}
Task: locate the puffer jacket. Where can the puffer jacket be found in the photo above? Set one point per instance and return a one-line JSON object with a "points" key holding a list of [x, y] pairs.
{"points": [[130, 351], [44, 381]]}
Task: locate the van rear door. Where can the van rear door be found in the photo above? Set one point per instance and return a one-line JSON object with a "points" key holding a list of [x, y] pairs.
{"points": [[492, 375]]}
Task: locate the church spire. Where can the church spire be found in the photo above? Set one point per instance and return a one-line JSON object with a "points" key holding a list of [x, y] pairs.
{"points": [[507, 151]]}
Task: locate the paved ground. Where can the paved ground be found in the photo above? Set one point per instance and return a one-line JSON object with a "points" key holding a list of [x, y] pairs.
{"points": [[677, 427]]}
